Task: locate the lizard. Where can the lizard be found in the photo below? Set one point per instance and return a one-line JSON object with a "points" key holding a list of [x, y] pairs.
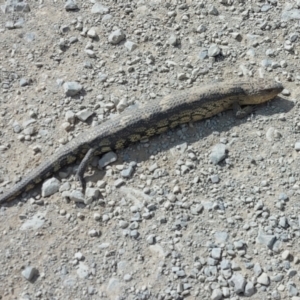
{"points": [[155, 117]]}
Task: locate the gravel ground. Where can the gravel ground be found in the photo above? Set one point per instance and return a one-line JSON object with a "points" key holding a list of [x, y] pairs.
{"points": [[206, 211]]}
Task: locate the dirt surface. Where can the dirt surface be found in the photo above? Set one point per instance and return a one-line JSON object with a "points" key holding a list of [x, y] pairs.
{"points": [[162, 221]]}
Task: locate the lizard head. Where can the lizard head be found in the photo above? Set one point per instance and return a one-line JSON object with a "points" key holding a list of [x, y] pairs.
{"points": [[259, 91]]}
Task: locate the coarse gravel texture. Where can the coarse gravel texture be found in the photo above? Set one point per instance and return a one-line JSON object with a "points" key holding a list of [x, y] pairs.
{"points": [[209, 210]]}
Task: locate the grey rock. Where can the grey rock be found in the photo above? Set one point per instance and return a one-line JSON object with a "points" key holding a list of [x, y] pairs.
{"points": [[201, 28], [50, 187], [266, 7], [24, 81], [93, 233], [276, 295], [249, 289], [72, 88], [215, 178], [266, 63], [221, 236], [257, 269], [130, 46], [84, 114], [263, 279], [151, 239], [12, 6], [126, 173], [277, 278], [107, 159], [116, 37], [102, 77], [225, 264], [292, 289], [216, 253], [238, 282], [212, 10], [297, 146], [214, 50], [92, 193], [218, 153], [291, 272], [71, 5], [266, 239], [29, 272], [114, 285], [292, 14], [99, 9], [216, 294], [203, 54], [127, 277], [83, 270], [173, 40], [77, 196]]}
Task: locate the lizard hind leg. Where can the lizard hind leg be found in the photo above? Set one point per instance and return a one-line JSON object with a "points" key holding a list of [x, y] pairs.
{"points": [[241, 113], [83, 165]]}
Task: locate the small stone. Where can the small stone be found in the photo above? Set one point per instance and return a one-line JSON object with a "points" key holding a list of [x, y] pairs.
{"points": [[102, 76], [77, 196], [291, 272], [72, 88], [24, 81], [285, 254], [119, 182], [263, 279], [297, 146], [214, 50], [29, 272], [107, 159], [99, 9], [92, 33], [71, 5], [216, 253], [116, 37], [97, 217], [266, 239], [216, 294], [79, 256], [286, 92], [84, 114], [201, 28], [218, 153], [93, 233], [173, 40], [238, 282], [249, 289], [130, 46], [50, 187], [127, 277], [126, 173], [213, 11]]}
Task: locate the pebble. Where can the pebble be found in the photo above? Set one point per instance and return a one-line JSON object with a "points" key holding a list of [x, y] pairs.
{"points": [[218, 153], [29, 273], [50, 187], [84, 115], [130, 46], [238, 282], [107, 159], [72, 88], [263, 279], [71, 5], [98, 8], [116, 36]]}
